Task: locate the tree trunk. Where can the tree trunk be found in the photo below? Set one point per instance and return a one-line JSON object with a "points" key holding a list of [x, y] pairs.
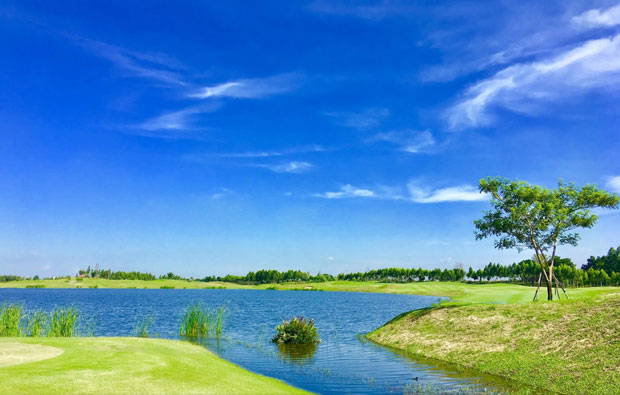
{"points": [[549, 281]]}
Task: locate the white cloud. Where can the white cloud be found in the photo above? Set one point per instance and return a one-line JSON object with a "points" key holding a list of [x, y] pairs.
{"points": [[177, 120], [251, 88], [266, 154], [526, 87], [294, 167], [462, 193], [412, 141], [347, 191], [221, 194], [361, 120], [613, 183], [415, 193], [156, 66], [598, 18]]}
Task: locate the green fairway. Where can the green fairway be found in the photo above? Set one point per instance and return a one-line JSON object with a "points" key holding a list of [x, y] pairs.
{"points": [[123, 365], [458, 292]]}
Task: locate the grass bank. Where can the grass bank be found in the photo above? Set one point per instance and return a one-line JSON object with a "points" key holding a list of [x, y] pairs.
{"points": [[571, 346], [123, 365]]}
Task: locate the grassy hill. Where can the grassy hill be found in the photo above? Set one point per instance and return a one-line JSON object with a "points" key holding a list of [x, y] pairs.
{"points": [[571, 346]]}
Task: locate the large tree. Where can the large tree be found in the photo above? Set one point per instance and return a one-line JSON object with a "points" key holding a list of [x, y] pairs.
{"points": [[526, 216]]}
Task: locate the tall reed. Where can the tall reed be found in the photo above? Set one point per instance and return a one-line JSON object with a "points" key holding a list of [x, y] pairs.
{"points": [[10, 317], [144, 326], [199, 321], [38, 324], [219, 321], [63, 322]]}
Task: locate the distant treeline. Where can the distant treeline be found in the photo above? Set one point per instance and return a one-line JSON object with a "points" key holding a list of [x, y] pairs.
{"points": [[272, 276], [597, 271], [120, 275]]}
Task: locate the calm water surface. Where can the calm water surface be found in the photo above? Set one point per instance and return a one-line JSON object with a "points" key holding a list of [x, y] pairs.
{"points": [[342, 363]]}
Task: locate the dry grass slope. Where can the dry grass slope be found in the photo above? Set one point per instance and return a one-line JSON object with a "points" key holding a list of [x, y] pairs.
{"points": [[569, 346]]}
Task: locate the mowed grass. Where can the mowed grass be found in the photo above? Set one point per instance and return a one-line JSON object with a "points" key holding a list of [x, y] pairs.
{"points": [[570, 346], [457, 292], [129, 365]]}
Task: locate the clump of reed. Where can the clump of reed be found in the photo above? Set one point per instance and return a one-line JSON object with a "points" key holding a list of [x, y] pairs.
{"points": [[10, 317], [38, 324], [298, 330], [62, 322], [199, 322], [143, 328]]}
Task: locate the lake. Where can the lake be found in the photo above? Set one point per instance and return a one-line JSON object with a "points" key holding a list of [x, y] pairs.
{"points": [[342, 363]]}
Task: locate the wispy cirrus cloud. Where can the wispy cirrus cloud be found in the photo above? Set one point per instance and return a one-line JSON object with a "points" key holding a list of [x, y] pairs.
{"points": [[411, 141], [292, 167], [414, 192], [362, 120], [348, 191], [175, 121], [598, 17], [613, 183], [460, 193], [305, 149], [155, 66], [526, 87], [250, 88]]}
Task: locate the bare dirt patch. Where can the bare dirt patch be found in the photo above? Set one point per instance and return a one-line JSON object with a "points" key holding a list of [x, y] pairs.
{"points": [[18, 353]]}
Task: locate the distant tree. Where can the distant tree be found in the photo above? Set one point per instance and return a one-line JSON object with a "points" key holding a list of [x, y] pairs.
{"points": [[526, 216]]}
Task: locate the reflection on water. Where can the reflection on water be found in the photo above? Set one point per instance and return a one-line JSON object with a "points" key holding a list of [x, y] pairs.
{"points": [[299, 354], [343, 362]]}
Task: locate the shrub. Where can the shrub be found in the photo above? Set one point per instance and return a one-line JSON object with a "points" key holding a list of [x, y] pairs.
{"points": [[298, 330], [10, 316]]}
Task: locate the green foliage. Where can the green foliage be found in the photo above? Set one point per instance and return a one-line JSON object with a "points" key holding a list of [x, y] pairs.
{"points": [[63, 322], [10, 317], [144, 326], [610, 262], [404, 275], [298, 330], [8, 277], [38, 324], [198, 322], [110, 275], [272, 276], [525, 216], [537, 218]]}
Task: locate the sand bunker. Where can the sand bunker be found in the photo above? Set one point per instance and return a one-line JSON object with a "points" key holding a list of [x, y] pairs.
{"points": [[17, 353]]}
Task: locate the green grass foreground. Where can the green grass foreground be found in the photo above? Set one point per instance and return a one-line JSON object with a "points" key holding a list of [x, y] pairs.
{"points": [[126, 365], [570, 346]]}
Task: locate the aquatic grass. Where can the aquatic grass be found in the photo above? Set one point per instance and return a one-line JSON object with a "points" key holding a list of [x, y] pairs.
{"points": [[195, 323], [298, 330], [219, 321], [35, 286], [38, 324], [166, 287], [10, 317], [198, 322], [63, 322], [144, 326]]}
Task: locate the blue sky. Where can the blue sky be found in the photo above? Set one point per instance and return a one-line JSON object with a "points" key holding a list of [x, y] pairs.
{"points": [[331, 136]]}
